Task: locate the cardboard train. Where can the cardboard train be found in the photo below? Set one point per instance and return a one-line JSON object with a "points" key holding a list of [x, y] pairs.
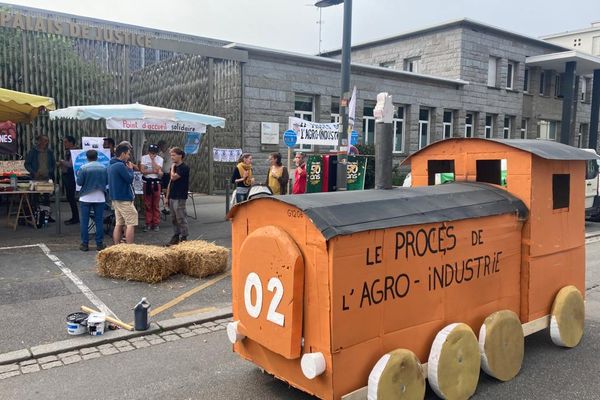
{"points": [[367, 294]]}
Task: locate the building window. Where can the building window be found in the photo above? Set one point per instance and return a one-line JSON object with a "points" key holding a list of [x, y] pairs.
{"points": [[510, 74], [583, 132], [387, 64], [469, 125], [526, 81], [557, 89], [399, 129], [492, 71], [548, 130], [304, 109], [489, 125], [368, 123], [507, 128], [423, 127], [584, 83], [335, 110], [542, 83], [448, 124], [524, 128], [561, 185], [413, 64]]}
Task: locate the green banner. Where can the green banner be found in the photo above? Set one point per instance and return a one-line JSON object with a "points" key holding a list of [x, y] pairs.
{"points": [[314, 174], [356, 172]]}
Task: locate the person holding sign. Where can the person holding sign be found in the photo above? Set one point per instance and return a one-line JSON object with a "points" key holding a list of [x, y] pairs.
{"points": [[151, 166], [299, 174], [278, 176], [242, 177]]}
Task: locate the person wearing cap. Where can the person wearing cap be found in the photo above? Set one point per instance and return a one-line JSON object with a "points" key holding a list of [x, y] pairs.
{"points": [[151, 167]]}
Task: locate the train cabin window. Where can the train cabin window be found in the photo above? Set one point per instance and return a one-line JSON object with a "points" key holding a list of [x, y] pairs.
{"points": [[561, 184], [491, 171], [440, 171]]}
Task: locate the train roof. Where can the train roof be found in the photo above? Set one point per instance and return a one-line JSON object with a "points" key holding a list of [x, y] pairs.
{"points": [[345, 213], [547, 149]]}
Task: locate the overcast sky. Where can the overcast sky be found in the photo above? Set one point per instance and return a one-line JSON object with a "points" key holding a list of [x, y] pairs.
{"points": [[292, 25]]}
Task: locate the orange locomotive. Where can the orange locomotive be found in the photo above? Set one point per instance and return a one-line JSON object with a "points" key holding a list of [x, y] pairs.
{"points": [[334, 291]]}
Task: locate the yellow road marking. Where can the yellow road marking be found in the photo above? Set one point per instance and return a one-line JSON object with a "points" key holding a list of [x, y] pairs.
{"points": [[193, 312], [187, 294]]}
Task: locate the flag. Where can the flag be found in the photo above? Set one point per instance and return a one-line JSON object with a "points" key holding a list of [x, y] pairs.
{"points": [[352, 108]]}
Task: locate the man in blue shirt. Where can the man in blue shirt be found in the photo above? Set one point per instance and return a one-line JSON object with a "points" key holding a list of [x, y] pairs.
{"points": [[93, 178], [120, 186]]}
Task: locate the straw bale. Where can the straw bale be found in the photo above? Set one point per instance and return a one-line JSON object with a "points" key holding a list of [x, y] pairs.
{"points": [[199, 258], [136, 262]]}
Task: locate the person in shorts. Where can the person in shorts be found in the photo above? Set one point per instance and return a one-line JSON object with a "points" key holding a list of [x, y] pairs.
{"points": [[120, 187]]}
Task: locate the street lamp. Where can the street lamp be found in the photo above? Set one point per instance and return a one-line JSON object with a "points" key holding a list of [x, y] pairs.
{"points": [[344, 98]]}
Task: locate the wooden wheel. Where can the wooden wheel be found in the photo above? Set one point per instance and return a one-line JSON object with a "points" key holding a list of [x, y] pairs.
{"points": [[454, 362], [397, 375], [568, 314], [502, 345]]}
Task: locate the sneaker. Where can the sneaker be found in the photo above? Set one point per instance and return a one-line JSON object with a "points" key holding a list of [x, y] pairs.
{"points": [[174, 240], [165, 211], [83, 247], [100, 247], [156, 228], [183, 239], [146, 228]]}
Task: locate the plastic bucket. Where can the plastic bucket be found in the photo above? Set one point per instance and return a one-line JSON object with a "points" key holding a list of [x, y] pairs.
{"points": [[95, 323], [77, 323]]}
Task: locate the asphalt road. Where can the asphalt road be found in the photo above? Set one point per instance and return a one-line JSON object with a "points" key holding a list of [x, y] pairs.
{"points": [[35, 296], [203, 367]]}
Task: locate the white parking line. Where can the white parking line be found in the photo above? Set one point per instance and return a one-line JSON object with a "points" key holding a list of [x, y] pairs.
{"points": [[87, 292]]}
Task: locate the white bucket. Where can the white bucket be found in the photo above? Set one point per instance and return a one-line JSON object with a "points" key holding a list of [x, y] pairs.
{"points": [[76, 323], [95, 323]]}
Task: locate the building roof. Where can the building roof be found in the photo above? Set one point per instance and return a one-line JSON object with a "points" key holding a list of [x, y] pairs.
{"points": [[586, 63], [345, 213], [548, 149], [287, 55], [445, 25], [594, 28]]}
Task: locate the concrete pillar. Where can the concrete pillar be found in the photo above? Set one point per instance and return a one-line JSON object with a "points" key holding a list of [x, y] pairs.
{"points": [[567, 108], [593, 144], [383, 155]]}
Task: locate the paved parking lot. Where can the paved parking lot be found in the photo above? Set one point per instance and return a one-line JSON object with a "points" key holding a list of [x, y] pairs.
{"points": [[44, 277]]}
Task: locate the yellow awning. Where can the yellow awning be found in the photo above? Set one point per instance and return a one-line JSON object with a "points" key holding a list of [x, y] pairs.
{"points": [[22, 107]]}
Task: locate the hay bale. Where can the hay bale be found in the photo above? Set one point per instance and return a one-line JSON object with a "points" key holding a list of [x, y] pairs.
{"points": [[199, 258], [136, 262]]}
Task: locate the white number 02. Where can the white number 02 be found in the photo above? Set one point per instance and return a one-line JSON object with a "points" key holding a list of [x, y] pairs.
{"points": [[253, 281]]}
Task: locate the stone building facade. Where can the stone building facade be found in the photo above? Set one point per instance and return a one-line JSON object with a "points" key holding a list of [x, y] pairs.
{"points": [[457, 79]]}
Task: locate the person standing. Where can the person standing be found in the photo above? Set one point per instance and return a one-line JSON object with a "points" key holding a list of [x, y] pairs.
{"points": [[242, 177], [299, 174], [109, 143], [120, 181], [93, 178], [278, 176], [39, 161], [166, 169], [151, 167], [68, 179], [178, 194], [40, 164]]}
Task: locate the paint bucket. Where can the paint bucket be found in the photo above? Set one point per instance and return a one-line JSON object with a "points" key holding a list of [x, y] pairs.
{"points": [[77, 323], [95, 323]]}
